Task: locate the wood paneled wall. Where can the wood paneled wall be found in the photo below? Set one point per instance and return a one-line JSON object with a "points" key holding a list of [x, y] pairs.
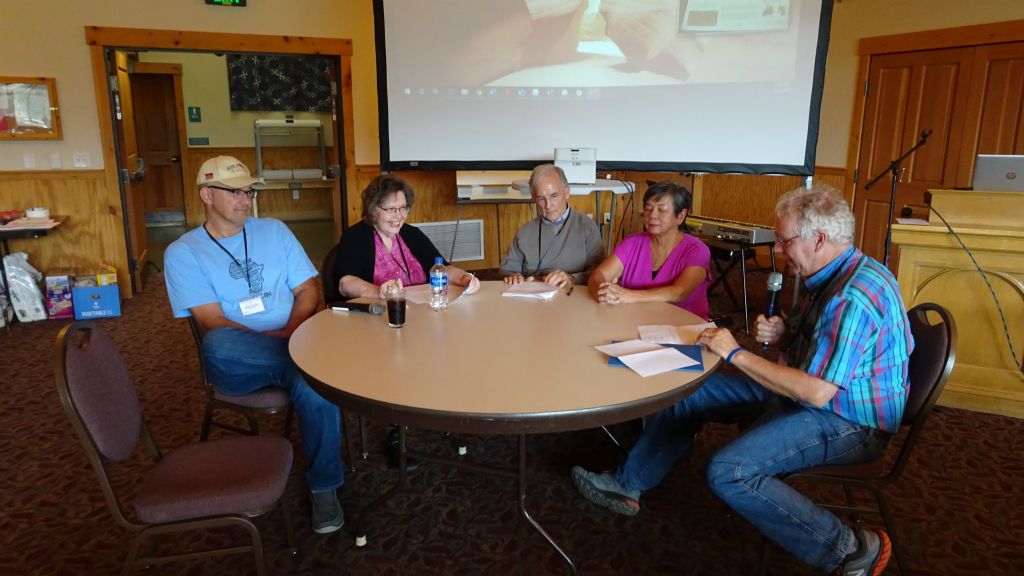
{"points": [[93, 233], [312, 204]]}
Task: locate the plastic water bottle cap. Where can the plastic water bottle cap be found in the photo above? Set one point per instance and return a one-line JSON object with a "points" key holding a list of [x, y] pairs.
{"points": [[438, 260]]}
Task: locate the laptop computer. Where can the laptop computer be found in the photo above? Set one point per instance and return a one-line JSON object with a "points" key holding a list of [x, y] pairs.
{"points": [[999, 173]]}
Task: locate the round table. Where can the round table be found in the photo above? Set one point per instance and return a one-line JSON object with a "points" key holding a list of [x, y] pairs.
{"points": [[491, 364]]}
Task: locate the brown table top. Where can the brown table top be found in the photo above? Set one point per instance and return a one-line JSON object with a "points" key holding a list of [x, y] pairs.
{"points": [[491, 364]]}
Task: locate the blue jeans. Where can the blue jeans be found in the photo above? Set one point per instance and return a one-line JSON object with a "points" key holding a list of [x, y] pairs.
{"points": [[786, 437], [239, 362]]}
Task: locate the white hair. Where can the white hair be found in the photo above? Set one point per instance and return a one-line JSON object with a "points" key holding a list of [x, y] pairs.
{"points": [[818, 208]]}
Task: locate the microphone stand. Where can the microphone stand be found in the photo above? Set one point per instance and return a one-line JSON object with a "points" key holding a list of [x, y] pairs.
{"points": [[894, 168]]}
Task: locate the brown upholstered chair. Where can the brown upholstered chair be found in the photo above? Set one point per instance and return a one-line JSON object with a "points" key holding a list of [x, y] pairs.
{"points": [[931, 362], [200, 486], [267, 400]]}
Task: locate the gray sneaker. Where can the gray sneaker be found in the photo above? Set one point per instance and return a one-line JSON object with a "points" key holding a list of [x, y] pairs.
{"points": [[871, 556], [605, 491], [327, 514]]}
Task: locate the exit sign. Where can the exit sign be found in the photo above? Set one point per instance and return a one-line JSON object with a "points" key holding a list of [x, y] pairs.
{"points": [[226, 2]]}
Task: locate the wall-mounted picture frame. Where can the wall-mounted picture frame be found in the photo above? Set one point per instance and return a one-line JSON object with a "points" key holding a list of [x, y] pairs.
{"points": [[28, 109]]}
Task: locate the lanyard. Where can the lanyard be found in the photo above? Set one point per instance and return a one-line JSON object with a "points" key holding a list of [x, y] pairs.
{"points": [[245, 243], [540, 228]]}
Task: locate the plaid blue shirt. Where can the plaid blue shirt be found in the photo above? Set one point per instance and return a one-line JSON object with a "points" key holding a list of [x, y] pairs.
{"points": [[860, 340]]}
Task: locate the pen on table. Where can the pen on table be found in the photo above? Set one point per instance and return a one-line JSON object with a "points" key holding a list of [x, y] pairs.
{"points": [[571, 286]]}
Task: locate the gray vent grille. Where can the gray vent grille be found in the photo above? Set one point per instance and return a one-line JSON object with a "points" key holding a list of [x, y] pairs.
{"points": [[469, 242]]}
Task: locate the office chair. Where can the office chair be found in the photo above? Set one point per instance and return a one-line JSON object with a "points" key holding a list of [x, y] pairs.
{"points": [[930, 365], [200, 486]]}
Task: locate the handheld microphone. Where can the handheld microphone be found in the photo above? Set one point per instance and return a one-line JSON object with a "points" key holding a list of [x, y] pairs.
{"points": [[375, 308], [774, 285]]}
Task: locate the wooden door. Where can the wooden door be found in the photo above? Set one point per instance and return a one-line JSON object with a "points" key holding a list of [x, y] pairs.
{"points": [[995, 111], [909, 93], [156, 128], [134, 204]]}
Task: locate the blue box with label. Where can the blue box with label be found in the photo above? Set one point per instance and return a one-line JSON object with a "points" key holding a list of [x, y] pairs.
{"points": [[96, 302]]}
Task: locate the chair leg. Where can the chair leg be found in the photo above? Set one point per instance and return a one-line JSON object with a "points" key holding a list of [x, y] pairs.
{"points": [[133, 552], [762, 561], [350, 445], [883, 508], [362, 437], [254, 425], [204, 432], [289, 527], [257, 546]]}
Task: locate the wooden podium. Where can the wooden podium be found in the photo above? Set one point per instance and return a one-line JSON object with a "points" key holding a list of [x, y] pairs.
{"points": [[933, 267]]}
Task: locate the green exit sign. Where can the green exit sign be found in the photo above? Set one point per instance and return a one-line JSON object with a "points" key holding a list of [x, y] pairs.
{"points": [[226, 2]]}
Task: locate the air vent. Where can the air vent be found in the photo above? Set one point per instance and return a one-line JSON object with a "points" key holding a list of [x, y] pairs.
{"points": [[469, 241]]}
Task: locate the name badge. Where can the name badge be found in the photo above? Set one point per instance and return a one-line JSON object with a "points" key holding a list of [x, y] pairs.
{"points": [[253, 305]]}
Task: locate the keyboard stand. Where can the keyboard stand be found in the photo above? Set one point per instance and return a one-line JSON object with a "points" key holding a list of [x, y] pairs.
{"points": [[736, 252]]}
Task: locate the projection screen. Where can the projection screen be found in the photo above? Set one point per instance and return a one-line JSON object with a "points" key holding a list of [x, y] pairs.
{"points": [[655, 85]]}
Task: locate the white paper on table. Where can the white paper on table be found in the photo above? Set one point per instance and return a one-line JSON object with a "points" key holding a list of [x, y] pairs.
{"points": [[665, 334], [657, 361], [619, 349], [531, 289]]}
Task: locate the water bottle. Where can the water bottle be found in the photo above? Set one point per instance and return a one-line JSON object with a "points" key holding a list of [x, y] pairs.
{"points": [[438, 285]]}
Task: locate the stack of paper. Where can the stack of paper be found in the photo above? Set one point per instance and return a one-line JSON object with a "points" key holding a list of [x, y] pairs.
{"points": [[30, 224], [664, 334], [647, 358], [533, 290]]}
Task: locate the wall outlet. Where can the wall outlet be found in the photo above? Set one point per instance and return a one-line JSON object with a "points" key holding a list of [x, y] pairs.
{"points": [[295, 194], [55, 160], [80, 159], [607, 217], [28, 160]]}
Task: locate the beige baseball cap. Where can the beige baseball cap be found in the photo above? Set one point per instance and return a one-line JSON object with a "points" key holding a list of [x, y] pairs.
{"points": [[226, 170]]}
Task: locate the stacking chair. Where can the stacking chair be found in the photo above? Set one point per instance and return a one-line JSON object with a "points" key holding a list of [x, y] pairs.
{"points": [[200, 486], [930, 365], [267, 400], [329, 285]]}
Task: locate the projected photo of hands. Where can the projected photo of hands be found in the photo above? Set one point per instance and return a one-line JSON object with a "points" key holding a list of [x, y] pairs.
{"points": [[598, 43]]}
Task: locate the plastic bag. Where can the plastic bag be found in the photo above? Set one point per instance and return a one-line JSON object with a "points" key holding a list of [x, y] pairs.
{"points": [[26, 297]]}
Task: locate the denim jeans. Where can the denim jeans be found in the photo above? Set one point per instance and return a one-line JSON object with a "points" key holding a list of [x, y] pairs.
{"points": [[786, 437], [239, 362]]}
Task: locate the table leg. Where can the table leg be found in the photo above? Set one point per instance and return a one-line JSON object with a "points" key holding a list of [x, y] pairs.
{"points": [[403, 481], [522, 505]]}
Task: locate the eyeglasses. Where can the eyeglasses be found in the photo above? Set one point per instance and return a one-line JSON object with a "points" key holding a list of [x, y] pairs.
{"points": [[237, 193], [785, 241], [396, 210]]}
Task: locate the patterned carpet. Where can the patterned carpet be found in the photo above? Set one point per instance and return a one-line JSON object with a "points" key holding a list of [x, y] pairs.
{"points": [[958, 504]]}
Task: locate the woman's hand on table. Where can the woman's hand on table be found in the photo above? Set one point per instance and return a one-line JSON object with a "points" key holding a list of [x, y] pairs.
{"points": [[382, 290], [612, 293], [559, 279]]}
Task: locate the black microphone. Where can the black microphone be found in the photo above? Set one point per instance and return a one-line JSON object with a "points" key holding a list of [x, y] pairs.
{"points": [[774, 285], [375, 308]]}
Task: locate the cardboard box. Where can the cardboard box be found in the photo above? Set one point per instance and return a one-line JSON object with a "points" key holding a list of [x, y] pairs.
{"points": [[96, 302], [58, 297]]}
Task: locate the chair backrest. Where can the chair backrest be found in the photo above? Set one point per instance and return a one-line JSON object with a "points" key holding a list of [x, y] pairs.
{"points": [[327, 279], [931, 362], [99, 398], [194, 329]]}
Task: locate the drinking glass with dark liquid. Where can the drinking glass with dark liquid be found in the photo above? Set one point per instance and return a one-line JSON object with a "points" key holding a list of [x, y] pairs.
{"points": [[396, 306]]}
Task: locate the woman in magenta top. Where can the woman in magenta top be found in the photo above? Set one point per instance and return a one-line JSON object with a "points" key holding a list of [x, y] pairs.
{"points": [[661, 264]]}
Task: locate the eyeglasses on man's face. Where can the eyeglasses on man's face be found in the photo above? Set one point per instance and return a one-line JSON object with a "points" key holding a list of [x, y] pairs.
{"points": [[782, 243], [395, 210], [238, 193]]}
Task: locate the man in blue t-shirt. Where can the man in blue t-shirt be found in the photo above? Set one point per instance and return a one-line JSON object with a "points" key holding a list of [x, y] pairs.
{"points": [[248, 284]]}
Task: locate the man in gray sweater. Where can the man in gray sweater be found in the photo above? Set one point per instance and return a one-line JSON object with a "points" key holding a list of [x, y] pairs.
{"points": [[561, 246]]}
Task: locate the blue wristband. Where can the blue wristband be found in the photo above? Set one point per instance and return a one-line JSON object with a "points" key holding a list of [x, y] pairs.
{"points": [[728, 359]]}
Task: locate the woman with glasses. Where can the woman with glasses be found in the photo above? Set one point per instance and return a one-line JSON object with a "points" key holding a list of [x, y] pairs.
{"points": [[381, 249], [660, 264]]}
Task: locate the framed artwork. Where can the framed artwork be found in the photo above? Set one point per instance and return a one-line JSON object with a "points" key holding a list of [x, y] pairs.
{"points": [[28, 109], [279, 83]]}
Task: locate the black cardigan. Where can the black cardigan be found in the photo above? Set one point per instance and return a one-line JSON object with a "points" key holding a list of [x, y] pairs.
{"points": [[356, 252]]}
